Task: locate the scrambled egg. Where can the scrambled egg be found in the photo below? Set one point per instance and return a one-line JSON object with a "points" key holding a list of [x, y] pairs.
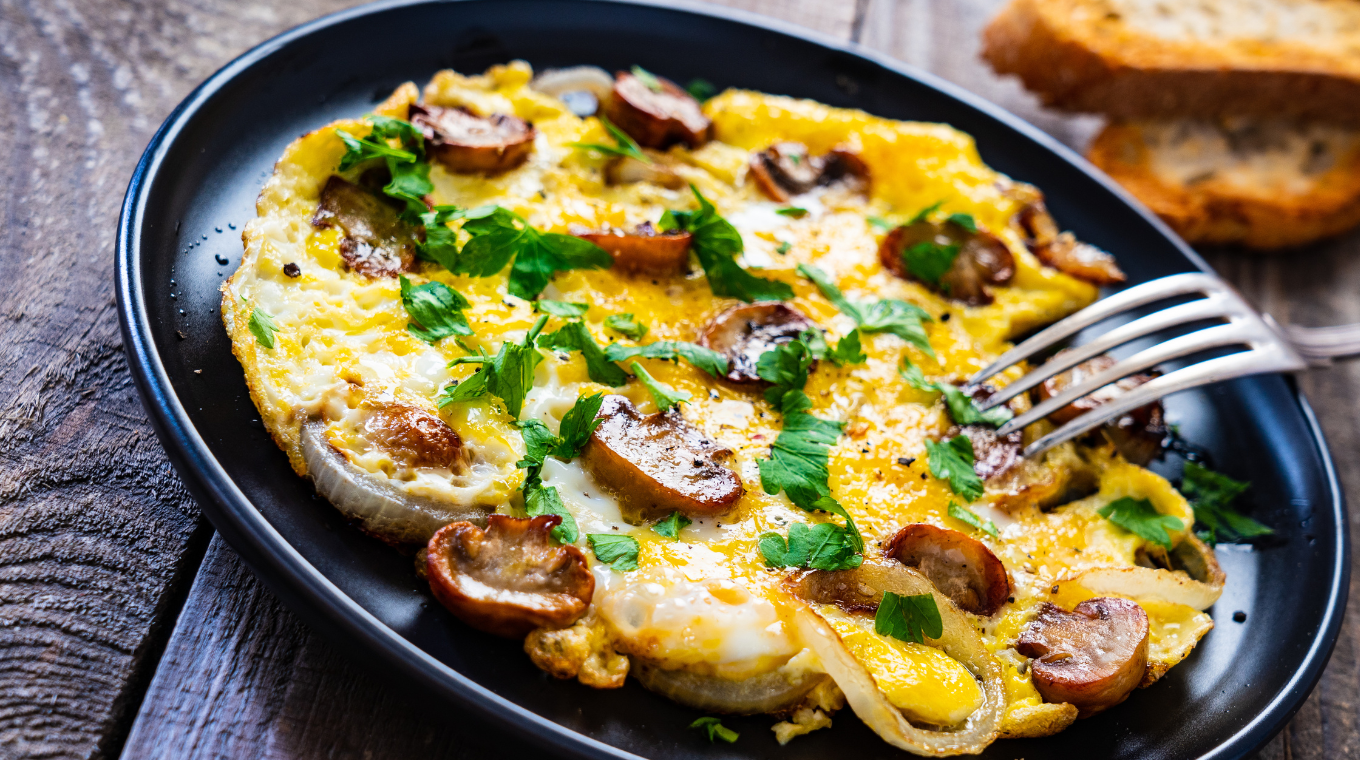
{"points": [[706, 601]]}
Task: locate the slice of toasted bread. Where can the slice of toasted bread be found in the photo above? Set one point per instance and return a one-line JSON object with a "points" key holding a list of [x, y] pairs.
{"points": [[1261, 183], [1135, 59]]}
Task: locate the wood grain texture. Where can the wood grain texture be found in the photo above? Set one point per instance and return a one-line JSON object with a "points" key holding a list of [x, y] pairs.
{"points": [[94, 528]]}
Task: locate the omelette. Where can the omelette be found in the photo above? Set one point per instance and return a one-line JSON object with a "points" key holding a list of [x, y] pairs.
{"points": [[677, 389]]}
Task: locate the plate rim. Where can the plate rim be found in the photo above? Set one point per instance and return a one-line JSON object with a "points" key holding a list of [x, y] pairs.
{"points": [[290, 575]]}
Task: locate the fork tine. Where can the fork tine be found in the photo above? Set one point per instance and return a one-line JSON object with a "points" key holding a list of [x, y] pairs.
{"points": [[1267, 358], [1139, 295], [1200, 340], [1216, 305]]}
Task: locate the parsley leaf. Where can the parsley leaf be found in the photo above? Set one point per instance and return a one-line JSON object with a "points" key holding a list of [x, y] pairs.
{"points": [[824, 546], [706, 359], [410, 171], [952, 460], [472, 388], [436, 308], [878, 222], [575, 336], [263, 327], [716, 244], [964, 514], [626, 146], [715, 730], [1212, 494], [963, 220], [545, 500], [793, 211], [577, 425], [848, 350], [499, 235], [671, 526], [509, 374], [701, 89], [1139, 517], [441, 242], [786, 368], [925, 212], [626, 325], [928, 261], [911, 618], [539, 442], [664, 395], [648, 78], [887, 315], [564, 309], [962, 408], [619, 552], [783, 247]]}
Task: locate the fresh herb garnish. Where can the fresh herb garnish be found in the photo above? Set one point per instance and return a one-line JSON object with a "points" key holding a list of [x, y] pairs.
{"points": [[626, 325], [262, 326], [965, 221], [664, 395], [1139, 517], [500, 235], [879, 223], [436, 308], [928, 261], [715, 730], [626, 147], [887, 315], [793, 211], [619, 552], [848, 350], [539, 443], [925, 212], [912, 618], [962, 408], [509, 374], [1212, 494], [783, 247], [564, 309], [716, 244], [671, 526], [701, 89], [952, 460], [575, 336], [410, 171], [824, 546], [648, 78], [545, 500], [706, 359], [964, 514]]}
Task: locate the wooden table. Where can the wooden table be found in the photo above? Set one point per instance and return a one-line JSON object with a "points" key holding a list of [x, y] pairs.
{"points": [[126, 626]]}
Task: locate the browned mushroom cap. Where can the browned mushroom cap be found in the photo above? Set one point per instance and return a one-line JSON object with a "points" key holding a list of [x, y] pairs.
{"points": [[466, 143], [960, 566], [657, 464], [510, 578], [982, 259], [645, 250], [657, 119], [743, 333], [786, 169], [376, 242], [414, 437], [1138, 435], [1091, 657], [1062, 250]]}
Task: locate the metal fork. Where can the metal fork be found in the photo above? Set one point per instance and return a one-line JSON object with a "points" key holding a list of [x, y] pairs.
{"points": [[1268, 348]]}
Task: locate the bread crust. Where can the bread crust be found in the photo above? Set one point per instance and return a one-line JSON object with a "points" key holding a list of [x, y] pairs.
{"points": [[1082, 55], [1224, 210]]}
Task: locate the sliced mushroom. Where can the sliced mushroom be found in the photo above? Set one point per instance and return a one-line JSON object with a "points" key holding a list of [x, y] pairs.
{"points": [[981, 259], [1062, 250], [960, 566], [415, 437], [1091, 657], [786, 169], [376, 242], [657, 118], [467, 143], [626, 170], [657, 464], [743, 333], [993, 455], [643, 251], [510, 578], [1138, 435]]}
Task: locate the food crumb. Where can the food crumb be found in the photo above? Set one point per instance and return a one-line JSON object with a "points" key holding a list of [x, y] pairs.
{"points": [[906, 461], [1239, 617]]}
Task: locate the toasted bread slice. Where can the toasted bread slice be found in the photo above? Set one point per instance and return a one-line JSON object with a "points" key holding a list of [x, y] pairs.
{"points": [[1261, 183], [1136, 59]]}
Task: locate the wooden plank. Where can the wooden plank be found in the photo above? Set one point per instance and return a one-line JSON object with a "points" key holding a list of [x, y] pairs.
{"points": [[94, 526]]}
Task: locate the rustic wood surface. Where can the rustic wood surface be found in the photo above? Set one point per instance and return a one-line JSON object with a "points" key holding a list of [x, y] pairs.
{"points": [[118, 634]]}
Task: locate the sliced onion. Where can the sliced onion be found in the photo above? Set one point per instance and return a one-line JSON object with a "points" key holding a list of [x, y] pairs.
{"points": [[1197, 582], [771, 692], [380, 506], [592, 79], [959, 640]]}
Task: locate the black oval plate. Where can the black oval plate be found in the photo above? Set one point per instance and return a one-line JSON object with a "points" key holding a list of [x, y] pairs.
{"points": [[196, 186]]}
